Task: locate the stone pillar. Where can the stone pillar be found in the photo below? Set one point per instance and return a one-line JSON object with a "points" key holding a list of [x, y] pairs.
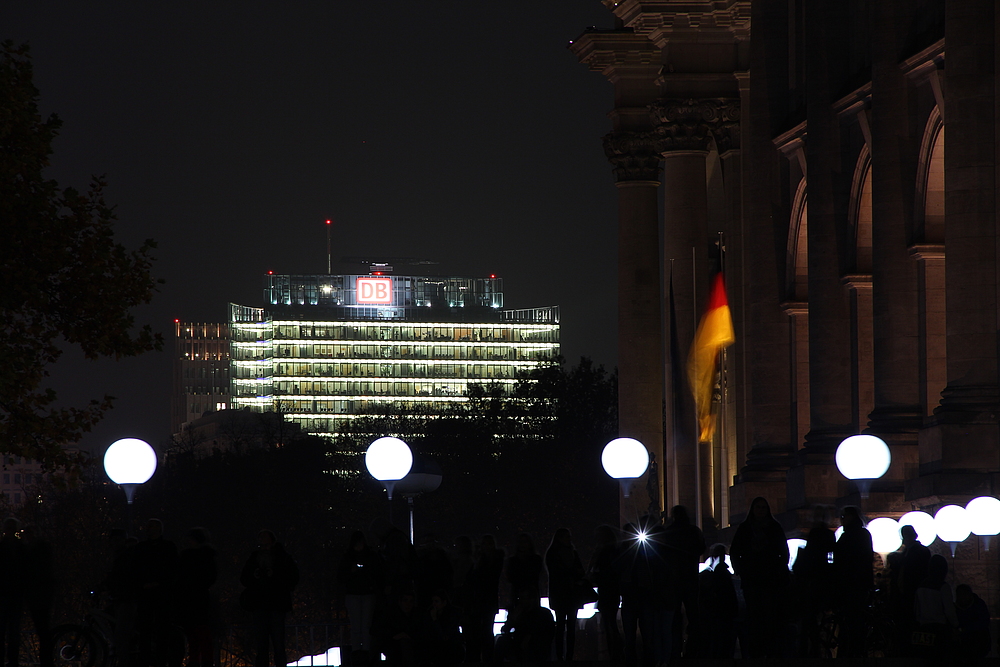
{"points": [[896, 416], [640, 341], [768, 408], [964, 440], [684, 134], [831, 381]]}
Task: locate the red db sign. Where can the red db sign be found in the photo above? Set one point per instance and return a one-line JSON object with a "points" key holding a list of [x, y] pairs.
{"points": [[375, 290]]}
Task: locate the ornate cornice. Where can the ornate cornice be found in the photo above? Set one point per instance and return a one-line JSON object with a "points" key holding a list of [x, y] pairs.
{"points": [[691, 124], [634, 156]]}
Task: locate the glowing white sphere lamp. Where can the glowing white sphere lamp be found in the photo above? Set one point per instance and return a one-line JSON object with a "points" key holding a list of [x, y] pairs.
{"points": [[625, 459], [984, 518], [885, 534], [389, 460], [923, 523], [129, 462], [863, 458], [952, 524]]}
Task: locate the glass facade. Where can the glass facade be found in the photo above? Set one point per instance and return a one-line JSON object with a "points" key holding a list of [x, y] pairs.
{"points": [[321, 357]]}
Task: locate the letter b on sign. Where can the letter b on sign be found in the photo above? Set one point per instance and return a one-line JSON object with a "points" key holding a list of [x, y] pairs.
{"points": [[375, 290]]}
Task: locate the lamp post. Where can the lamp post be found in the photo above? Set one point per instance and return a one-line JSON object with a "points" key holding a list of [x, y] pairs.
{"points": [[424, 477], [984, 518], [625, 459], [863, 459], [923, 523], [388, 460], [128, 463], [952, 524]]}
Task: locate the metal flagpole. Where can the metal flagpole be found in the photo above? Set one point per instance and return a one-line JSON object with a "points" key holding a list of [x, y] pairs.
{"points": [[697, 430]]}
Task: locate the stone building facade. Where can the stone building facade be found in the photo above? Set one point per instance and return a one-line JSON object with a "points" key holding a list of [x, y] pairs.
{"points": [[801, 147]]}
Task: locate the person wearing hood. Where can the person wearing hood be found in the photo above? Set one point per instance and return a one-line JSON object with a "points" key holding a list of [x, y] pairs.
{"points": [[759, 555]]}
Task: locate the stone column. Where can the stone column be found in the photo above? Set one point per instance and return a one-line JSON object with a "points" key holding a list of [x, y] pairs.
{"points": [[831, 381], [896, 416], [640, 341], [964, 441], [684, 132]]}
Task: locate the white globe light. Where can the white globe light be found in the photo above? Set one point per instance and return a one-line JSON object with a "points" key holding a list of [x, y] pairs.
{"points": [[625, 458], [388, 459], [863, 457], [885, 534], [923, 523], [952, 523], [984, 515], [130, 461]]}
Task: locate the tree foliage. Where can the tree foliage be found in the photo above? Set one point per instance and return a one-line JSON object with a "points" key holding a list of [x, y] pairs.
{"points": [[63, 279]]}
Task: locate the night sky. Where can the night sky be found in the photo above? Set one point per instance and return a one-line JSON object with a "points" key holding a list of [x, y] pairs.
{"points": [[459, 132]]}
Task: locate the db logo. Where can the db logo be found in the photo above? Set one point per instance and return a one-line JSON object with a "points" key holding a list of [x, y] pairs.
{"points": [[375, 290]]}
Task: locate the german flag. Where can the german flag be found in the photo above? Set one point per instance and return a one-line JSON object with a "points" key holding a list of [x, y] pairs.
{"points": [[715, 332]]}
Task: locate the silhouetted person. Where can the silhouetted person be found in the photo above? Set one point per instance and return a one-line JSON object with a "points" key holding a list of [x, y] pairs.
{"points": [[13, 554], [604, 575], [400, 563], [433, 571], [527, 634], [853, 577], [523, 569], [441, 636], [916, 559], [718, 605], [759, 555], [934, 612], [655, 579], [685, 545], [484, 599], [814, 580], [625, 567], [39, 584], [566, 576], [973, 625], [462, 562], [196, 574], [155, 562], [398, 630], [269, 576], [121, 583], [362, 576]]}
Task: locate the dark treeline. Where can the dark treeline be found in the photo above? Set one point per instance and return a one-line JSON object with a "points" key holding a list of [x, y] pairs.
{"points": [[524, 461]]}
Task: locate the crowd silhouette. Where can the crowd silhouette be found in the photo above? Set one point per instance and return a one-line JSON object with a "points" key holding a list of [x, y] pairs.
{"points": [[661, 593]]}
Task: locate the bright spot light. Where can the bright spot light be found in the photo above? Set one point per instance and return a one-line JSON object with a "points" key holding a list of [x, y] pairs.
{"points": [[984, 515], [130, 461], [863, 457], [625, 458], [388, 459], [923, 523], [952, 523], [642, 537], [885, 534]]}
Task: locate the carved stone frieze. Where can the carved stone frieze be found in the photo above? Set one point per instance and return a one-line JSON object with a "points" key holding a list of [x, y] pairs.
{"points": [[635, 156], [691, 124]]}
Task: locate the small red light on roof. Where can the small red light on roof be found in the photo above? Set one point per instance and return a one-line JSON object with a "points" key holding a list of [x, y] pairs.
{"points": [[493, 275], [270, 273], [176, 321], [328, 222]]}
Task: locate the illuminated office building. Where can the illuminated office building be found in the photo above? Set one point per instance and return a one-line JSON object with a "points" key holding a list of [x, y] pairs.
{"points": [[327, 348], [200, 371]]}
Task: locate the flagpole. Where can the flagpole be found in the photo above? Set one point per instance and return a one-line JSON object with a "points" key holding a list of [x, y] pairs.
{"points": [[723, 413], [697, 427], [676, 415]]}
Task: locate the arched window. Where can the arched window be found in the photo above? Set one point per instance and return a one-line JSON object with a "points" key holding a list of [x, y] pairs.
{"points": [[928, 249], [797, 309]]}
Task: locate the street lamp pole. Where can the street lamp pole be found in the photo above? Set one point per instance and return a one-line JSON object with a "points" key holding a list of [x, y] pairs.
{"points": [[129, 463], [389, 460]]}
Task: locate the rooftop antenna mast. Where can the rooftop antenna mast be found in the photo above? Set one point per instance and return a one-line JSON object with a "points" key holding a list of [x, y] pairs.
{"points": [[329, 257]]}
